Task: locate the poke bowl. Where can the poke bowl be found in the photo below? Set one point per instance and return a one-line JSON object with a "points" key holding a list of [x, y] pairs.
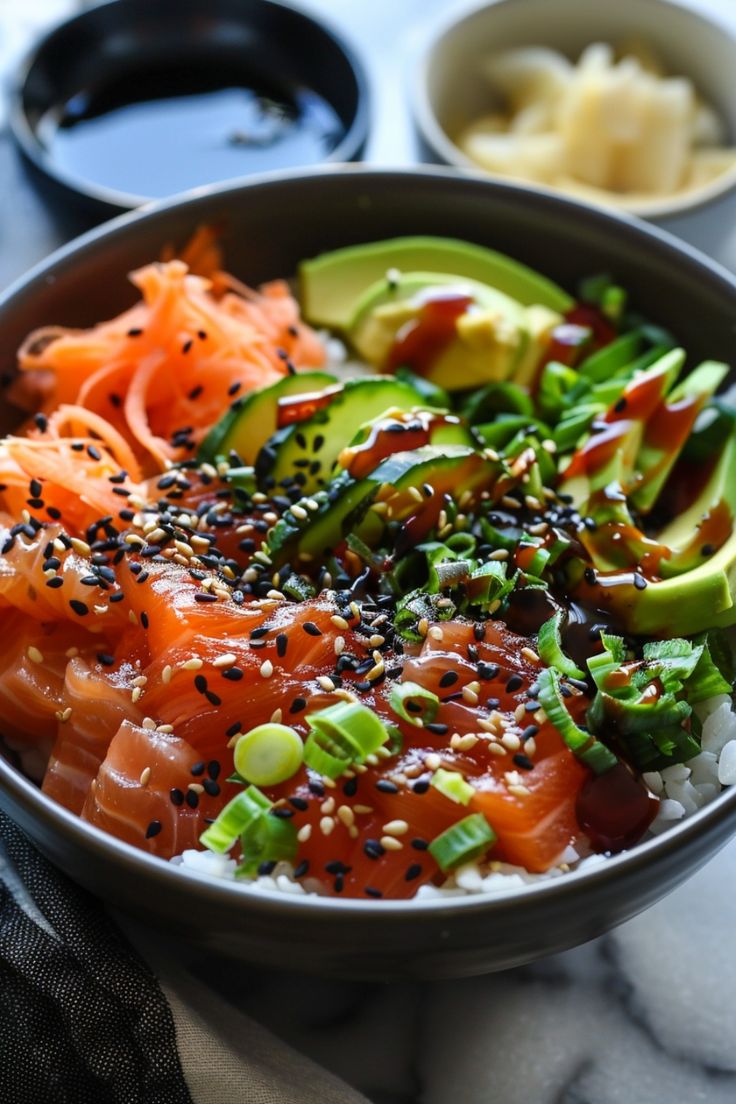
{"points": [[370, 623]]}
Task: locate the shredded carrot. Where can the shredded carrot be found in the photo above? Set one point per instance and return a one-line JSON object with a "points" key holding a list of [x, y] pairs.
{"points": [[150, 382]]}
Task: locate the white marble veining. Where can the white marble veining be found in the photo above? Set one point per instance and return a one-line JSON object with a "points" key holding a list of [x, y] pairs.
{"points": [[644, 1015]]}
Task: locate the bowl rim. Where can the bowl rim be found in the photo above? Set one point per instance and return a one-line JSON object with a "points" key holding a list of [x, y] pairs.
{"points": [[350, 145], [439, 142], [224, 892]]}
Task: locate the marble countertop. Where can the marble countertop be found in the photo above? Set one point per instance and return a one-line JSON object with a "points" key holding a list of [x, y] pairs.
{"points": [[643, 1015]]}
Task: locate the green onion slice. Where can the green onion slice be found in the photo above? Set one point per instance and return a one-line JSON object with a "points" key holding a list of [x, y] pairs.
{"points": [[340, 735], [581, 743], [549, 647], [244, 808], [267, 839], [452, 785], [405, 694], [269, 754], [462, 842]]}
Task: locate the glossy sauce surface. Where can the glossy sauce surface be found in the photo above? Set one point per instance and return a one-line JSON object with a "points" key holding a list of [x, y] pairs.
{"points": [[165, 129]]}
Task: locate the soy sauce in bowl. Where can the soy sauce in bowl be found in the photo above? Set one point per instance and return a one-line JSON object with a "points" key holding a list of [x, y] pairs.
{"points": [[172, 127]]}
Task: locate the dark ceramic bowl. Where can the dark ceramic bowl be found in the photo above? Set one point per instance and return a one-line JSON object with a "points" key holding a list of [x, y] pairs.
{"points": [[85, 282], [186, 44]]}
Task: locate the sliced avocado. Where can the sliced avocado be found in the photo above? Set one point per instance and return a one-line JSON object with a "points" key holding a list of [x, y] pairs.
{"points": [[249, 422], [692, 532], [331, 284], [346, 506], [493, 332], [540, 322], [609, 453], [663, 441], [698, 600], [307, 450]]}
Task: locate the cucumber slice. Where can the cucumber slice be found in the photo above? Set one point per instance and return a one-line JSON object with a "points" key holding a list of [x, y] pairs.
{"points": [[346, 506], [249, 422], [309, 449]]}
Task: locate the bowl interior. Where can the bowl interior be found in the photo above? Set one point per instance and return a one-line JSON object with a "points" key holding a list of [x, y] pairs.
{"points": [[194, 47], [452, 90], [314, 212]]}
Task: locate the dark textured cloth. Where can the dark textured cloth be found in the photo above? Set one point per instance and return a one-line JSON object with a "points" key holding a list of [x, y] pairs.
{"points": [[82, 1018]]}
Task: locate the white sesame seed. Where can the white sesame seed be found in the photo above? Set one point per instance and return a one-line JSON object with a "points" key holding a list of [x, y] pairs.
{"points": [[193, 664], [139, 680], [499, 554], [196, 787], [530, 654], [470, 696], [326, 825], [496, 749], [328, 806], [225, 660], [396, 828], [511, 741], [145, 776], [299, 513], [304, 833], [266, 668], [339, 622], [339, 645], [136, 694], [34, 654], [277, 716], [166, 674], [346, 815], [81, 546], [167, 729], [518, 791], [423, 626], [362, 810], [432, 761], [436, 633], [390, 843], [63, 715]]}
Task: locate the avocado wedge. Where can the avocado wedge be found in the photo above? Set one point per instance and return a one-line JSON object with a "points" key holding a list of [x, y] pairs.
{"points": [[332, 283]]}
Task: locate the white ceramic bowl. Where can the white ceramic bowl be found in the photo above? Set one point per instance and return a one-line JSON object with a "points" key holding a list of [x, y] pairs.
{"points": [[450, 89]]}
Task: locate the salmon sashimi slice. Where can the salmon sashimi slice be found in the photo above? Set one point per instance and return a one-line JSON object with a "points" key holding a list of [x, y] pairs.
{"points": [[95, 703], [46, 578], [143, 791]]}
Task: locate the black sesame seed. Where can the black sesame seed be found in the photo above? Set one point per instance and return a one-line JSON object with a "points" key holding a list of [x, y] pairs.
{"points": [[311, 629], [301, 869], [412, 872], [234, 729], [144, 619], [448, 679], [640, 582], [79, 607], [153, 829], [372, 848], [420, 787], [297, 705], [204, 596], [530, 731], [590, 576], [135, 332], [282, 813], [200, 683], [192, 799], [385, 786], [53, 512], [350, 788], [523, 761], [436, 728], [211, 787], [371, 892], [93, 452], [106, 659], [266, 868], [488, 671], [419, 844], [707, 550], [282, 641], [42, 422], [299, 803], [177, 797], [197, 769], [514, 683], [55, 583]]}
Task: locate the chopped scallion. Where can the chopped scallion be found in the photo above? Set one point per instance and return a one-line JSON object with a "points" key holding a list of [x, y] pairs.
{"points": [[462, 842], [413, 703], [244, 808], [549, 647], [269, 754], [452, 785]]}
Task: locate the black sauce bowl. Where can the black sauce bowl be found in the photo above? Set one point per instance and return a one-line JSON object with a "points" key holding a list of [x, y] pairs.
{"points": [[85, 281], [124, 40]]}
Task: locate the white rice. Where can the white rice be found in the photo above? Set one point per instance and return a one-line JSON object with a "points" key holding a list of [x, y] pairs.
{"points": [[682, 789]]}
